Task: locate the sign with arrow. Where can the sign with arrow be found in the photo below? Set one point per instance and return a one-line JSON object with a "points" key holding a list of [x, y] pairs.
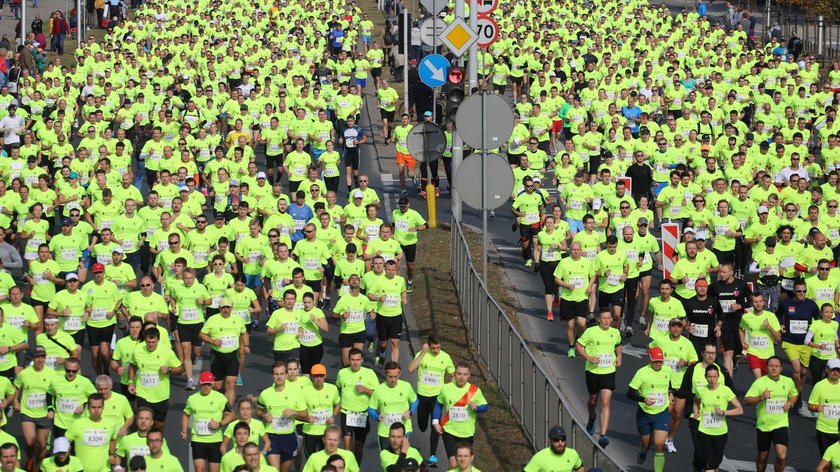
{"points": [[433, 69]]}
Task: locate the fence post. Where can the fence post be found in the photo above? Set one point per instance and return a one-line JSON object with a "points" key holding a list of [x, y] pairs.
{"points": [[820, 35]]}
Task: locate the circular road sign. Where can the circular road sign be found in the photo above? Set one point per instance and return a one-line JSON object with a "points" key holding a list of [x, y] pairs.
{"points": [[498, 120], [430, 29], [497, 184], [488, 31], [426, 141], [485, 7]]}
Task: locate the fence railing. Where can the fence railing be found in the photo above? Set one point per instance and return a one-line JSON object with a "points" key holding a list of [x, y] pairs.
{"points": [[531, 392], [820, 36]]}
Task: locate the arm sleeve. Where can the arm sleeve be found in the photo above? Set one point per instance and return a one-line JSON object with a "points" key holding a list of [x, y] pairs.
{"points": [[436, 414], [809, 337], [373, 414], [754, 268], [482, 408], [413, 406], [633, 394]]}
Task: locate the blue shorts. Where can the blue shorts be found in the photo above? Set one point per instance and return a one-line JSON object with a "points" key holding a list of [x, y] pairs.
{"points": [[86, 258], [253, 281], [575, 226], [284, 445], [646, 423], [316, 153], [659, 186], [361, 82], [366, 38]]}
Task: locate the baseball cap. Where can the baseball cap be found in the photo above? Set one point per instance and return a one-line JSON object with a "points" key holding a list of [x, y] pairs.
{"points": [[31, 159], [206, 377], [833, 363], [66, 222], [225, 301], [117, 249], [655, 354], [703, 282], [403, 201], [318, 369], [556, 432], [428, 113], [763, 209], [672, 322], [219, 215], [39, 351], [61, 444], [261, 175], [74, 175], [358, 194], [688, 229], [705, 147], [183, 188], [643, 221], [98, 267], [71, 276], [408, 464]]}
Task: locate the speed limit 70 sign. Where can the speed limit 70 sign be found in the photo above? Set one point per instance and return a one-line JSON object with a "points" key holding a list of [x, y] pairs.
{"points": [[488, 31]]}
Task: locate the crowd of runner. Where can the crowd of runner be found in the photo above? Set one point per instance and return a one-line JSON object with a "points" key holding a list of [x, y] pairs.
{"points": [[180, 185]]}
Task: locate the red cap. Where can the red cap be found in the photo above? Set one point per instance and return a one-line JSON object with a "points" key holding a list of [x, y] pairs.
{"points": [[655, 354], [98, 267], [206, 377]]}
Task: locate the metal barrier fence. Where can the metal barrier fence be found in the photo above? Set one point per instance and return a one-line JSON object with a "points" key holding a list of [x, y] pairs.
{"points": [[820, 37], [532, 394]]}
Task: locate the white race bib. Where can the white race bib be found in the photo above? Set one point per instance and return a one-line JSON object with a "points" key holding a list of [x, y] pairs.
{"points": [[787, 262], [280, 423], [320, 416], [307, 336], [189, 314], [613, 279], [430, 379], [202, 428], [391, 300], [291, 327], [458, 414], [726, 306], [67, 405], [759, 341], [774, 407], [825, 294], [355, 316], [356, 420], [98, 314], [606, 360], [712, 420], [228, 342], [73, 324], [661, 324], [831, 411], [390, 418], [36, 400], [701, 330], [95, 437], [69, 254], [149, 379], [798, 326], [658, 398]]}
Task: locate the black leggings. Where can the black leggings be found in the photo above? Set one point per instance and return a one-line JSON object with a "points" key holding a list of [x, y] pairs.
{"points": [[817, 368], [824, 440], [547, 274], [312, 444], [425, 408], [424, 173], [331, 184], [630, 288], [712, 447], [698, 461], [310, 356]]}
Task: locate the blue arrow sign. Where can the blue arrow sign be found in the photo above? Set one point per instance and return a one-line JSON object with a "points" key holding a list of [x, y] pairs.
{"points": [[433, 69]]}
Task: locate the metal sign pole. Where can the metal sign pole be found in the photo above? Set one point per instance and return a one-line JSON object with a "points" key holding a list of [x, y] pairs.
{"points": [[457, 142], [23, 23], [434, 51], [406, 49], [80, 25], [472, 71], [484, 255]]}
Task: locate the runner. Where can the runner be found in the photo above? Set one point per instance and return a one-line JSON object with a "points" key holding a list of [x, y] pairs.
{"points": [[458, 403], [651, 388], [356, 384], [601, 347], [773, 395], [711, 409], [825, 400], [434, 369], [576, 278], [210, 413]]}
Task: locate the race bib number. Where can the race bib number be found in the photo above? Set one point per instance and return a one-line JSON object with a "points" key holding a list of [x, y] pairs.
{"points": [[355, 316], [825, 294], [787, 262], [458, 414], [613, 279], [215, 300], [577, 282], [658, 398], [299, 224], [68, 254], [36, 400], [390, 418], [831, 411], [189, 314], [701, 330], [712, 420], [356, 420], [827, 349], [674, 364], [576, 205], [128, 245], [99, 314], [330, 172], [676, 209], [73, 324], [280, 423], [401, 225], [787, 284], [67, 405], [149, 379], [307, 336], [606, 360], [246, 317], [254, 257], [95, 437], [320, 416], [391, 300], [774, 407], [531, 218], [661, 324], [798, 326], [40, 279], [202, 428], [726, 305], [200, 256], [759, 341], [291, 328], [590, 254], [299, 170], [430, 379], [228, 342], [311, 264]]}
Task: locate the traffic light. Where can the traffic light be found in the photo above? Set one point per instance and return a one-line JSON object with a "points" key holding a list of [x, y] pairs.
{"points": [[453, 90]]}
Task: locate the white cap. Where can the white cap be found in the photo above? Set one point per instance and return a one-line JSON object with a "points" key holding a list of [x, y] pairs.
{"points": [[261, 175], [71, 276], [117, 249], [763, 209], [833, 363], [358, 194], [688, 229], [61, 444], [536, 179]]}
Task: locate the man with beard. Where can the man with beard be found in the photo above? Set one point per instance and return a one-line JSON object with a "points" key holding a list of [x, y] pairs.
{"points": [[703, 314], [733, 295]]}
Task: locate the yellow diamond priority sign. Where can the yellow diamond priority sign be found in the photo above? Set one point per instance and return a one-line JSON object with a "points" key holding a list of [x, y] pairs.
{"points": [[458, 37]]}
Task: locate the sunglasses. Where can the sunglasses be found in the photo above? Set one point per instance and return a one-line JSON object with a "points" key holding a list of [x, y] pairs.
{"points": [[801, 291], [72, 371], [145, 285]]}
